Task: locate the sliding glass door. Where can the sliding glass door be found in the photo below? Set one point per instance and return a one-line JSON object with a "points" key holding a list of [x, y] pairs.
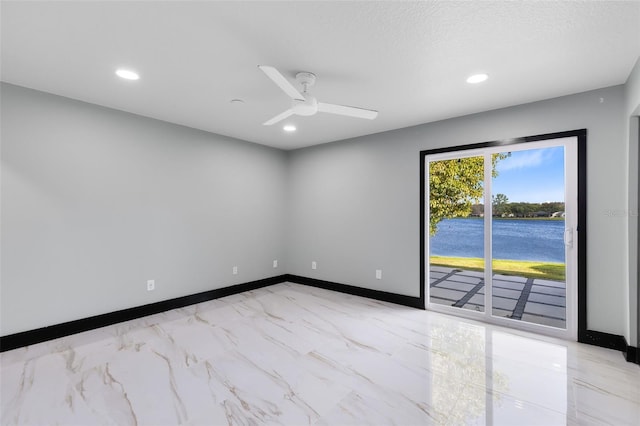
{"points": [[500, 241], [457, 232]]}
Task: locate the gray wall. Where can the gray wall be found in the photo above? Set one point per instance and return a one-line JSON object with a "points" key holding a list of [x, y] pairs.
{"points": [[97, 201], [355, 204], [632, 110]]}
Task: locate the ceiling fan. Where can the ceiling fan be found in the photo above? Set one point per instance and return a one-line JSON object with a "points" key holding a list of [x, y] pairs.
{"points": [[303, 103]]}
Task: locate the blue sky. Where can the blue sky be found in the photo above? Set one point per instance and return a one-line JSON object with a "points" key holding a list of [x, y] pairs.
{"points": [[534, 176]]}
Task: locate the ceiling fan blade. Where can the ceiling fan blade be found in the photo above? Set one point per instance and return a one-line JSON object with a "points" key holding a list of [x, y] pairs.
{"points": [[347, 110], [278, 117], [281, 82]]}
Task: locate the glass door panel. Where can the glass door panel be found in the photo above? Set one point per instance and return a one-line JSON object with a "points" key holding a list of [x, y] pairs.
{"points": [[527, 234], [456, 233]]}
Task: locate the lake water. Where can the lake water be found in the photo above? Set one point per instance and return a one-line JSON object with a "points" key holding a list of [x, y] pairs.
{"points": [[520, 239]]}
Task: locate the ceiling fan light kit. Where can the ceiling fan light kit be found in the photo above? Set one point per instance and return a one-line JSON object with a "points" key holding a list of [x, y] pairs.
{"points": [[304, 104]]}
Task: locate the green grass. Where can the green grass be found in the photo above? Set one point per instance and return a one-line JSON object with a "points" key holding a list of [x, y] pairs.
{"points": [[521, 268], [513, 218]]}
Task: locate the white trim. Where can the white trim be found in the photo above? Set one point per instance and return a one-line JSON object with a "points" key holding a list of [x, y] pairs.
{"points": [[488, 237]]}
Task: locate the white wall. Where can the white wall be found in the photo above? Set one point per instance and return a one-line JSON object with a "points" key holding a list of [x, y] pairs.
{"points": [[97, 201], [355, 204], [632, 113]]}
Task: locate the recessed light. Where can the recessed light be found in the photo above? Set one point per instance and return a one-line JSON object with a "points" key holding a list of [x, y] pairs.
{"points": [[127, 74], [477, 78], [289, 128], [236, 101]]}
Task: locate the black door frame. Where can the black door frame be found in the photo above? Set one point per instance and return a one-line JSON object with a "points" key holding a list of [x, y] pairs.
{"points": [[584, 335]]}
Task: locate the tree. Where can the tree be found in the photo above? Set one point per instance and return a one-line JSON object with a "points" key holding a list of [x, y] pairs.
{"points": [[500, 204], [477, 210], [455, 185]]}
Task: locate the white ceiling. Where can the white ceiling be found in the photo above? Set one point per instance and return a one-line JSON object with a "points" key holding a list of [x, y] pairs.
{"points": [[408, 60]]}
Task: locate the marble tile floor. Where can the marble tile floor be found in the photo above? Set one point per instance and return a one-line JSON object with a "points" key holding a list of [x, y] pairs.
{"points": [[527, 299], [295, 355]]}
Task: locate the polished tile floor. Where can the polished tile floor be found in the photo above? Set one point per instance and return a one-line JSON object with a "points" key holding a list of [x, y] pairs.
{"points": [[295, 355]]}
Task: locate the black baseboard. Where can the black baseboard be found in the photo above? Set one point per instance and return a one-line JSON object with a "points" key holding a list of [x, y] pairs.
{"points": [[632, 354], [605, 340], [44, 334], [611, 341], [31, 337], [399, 299]]}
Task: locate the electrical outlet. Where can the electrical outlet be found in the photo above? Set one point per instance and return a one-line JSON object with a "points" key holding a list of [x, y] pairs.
{"points": [[275, 263], [314, 265], [378, 274], [151, 285], [235, 270]]}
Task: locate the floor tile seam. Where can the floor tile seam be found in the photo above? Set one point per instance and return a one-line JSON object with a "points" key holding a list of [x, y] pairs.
{"points": [[456, 283], [444, 298], [547, 294], [457, 291], [549, 287], [501, 281], [469, 277], [505, 298], [453, 272], [545, 304], [467, 297], [453, 286], [493, 286], [507, 288], [544, 316], [471, 304]]}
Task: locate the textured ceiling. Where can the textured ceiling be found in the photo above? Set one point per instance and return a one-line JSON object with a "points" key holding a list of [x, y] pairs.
{"points": [[408, 60]]}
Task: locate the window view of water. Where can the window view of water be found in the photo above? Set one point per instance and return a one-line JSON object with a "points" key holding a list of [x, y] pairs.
{"points": [[527, 197], [541, 240]]}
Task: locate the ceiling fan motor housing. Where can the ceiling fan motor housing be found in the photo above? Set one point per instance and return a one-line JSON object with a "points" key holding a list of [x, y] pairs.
{"points": [[307, 107], [307, 79]]}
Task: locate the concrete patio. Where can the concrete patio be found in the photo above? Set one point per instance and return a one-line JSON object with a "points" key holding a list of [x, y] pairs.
{"points": [[527, 299]]}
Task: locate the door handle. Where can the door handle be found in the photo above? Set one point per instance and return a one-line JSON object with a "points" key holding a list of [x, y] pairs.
{"points": [[568, 237]]}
